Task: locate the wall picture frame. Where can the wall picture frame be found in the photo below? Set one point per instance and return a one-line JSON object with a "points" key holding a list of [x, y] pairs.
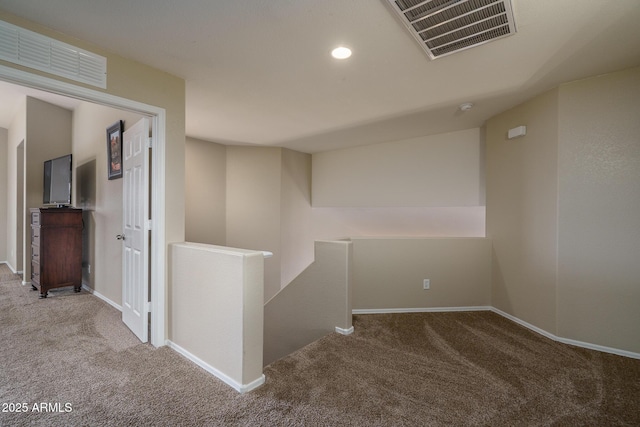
{"points": [[114, 150]]}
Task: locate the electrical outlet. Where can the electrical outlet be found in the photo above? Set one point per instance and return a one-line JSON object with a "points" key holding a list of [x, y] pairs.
{"points": [[426, 284]]}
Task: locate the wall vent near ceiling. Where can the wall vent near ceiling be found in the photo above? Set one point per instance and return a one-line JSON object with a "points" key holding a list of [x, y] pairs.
{"points": [[33, 50], [443, 27]]}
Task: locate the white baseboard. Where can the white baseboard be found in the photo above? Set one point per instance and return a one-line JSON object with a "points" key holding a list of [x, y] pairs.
{"points": [[568, 341], [521, 322], [343, 331], [242, 388], [102, 297], [13, 270], [418, 310]]}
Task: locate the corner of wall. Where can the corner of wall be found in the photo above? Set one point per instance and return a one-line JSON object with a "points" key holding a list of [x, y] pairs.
{"points": [[522, 204], [4, 195]]}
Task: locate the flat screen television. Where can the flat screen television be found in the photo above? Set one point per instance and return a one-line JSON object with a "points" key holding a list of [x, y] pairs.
{"points": [[57, 181]]}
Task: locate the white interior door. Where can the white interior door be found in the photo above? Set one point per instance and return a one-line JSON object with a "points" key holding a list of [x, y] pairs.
{"points": [[135, 263]]}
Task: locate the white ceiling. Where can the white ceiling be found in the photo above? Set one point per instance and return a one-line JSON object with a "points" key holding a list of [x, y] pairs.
{"points": [[259, 72]]}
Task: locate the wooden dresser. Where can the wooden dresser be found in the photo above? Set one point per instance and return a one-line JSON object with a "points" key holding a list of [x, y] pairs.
{"points": [[56, 249]]}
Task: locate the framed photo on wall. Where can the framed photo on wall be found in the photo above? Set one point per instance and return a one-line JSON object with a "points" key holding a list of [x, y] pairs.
{"points": [[114, 150]]}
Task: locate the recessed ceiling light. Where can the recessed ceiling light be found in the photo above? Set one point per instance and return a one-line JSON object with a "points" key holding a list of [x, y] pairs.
{"points": [[341, 52], [466, 106]]}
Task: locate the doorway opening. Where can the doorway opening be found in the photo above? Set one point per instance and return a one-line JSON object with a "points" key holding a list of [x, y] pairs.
{"points": [[157, 117]]}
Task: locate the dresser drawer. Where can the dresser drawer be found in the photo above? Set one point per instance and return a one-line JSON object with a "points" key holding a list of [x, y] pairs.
{"points": [[35, 253], [35, 218], [35, 272]]}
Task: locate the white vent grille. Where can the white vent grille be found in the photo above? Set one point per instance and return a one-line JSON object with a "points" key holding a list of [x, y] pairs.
{"points": [[443, 27], [33, 50]]}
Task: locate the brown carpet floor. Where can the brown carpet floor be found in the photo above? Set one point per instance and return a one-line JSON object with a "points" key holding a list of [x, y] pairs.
{"points": [[68, 360]]}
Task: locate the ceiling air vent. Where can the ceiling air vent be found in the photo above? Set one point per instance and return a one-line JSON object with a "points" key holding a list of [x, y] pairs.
{"points": [[443, 27], [39, 52]]}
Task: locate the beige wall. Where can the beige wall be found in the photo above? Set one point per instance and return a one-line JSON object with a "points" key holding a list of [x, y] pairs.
{"points": [[297, 233], [48, 136], [562, 206], [522, 210], [253, 206], [314, 304], [467, 221], [428, 186], [15, 201], [389, 273], [218, 319], [436, 171], [99, 197], [252, 197], [599, 212], [4, 152], [205, 194], [268, 200]]}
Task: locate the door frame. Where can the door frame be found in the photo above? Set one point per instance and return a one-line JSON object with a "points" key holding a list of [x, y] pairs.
{"points": [[157, 117]]}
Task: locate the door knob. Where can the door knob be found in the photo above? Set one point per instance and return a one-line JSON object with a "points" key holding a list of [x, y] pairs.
{"points": [[120, 237]]}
